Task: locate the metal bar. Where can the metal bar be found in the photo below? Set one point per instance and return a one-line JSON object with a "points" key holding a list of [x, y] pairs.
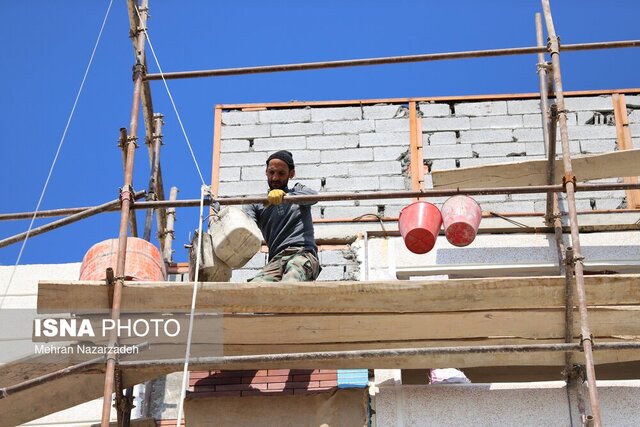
{"points": [[124, 218], [122, 143], [169, 230], [552, 198], [390, 195], [370, 354], [386, 60], [65, 221], [152, 193], [554, 50]]}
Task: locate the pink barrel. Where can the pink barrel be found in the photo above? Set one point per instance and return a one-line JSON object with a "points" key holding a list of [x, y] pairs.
{"points": [[419, 224], [461, 216], [143, 262]]}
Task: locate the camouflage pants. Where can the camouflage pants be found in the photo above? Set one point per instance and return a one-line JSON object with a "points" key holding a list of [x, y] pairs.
{"points": [[290, 265]]}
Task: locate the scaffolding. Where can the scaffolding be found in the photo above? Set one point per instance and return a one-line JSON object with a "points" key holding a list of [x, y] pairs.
{"points": [[571, 261]]}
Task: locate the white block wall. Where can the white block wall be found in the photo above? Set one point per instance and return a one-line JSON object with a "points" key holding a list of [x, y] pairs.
{"points": [[366, 148]]}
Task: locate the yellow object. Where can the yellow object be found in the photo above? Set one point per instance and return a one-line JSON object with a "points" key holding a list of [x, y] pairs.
{"points": [[275, 197]]}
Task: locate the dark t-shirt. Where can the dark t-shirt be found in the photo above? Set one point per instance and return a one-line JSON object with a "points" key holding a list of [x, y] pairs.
{"points": [[286, 224]]}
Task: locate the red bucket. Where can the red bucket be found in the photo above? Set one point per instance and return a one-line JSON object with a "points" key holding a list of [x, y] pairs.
{"points": [[461, 216], [419, 224]]}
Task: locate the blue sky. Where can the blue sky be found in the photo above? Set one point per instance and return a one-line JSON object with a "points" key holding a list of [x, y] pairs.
{"points": [[46, 46]]}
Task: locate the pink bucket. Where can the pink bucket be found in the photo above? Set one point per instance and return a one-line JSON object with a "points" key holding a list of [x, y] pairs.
{"points": [[419, 224], [461, 216]]}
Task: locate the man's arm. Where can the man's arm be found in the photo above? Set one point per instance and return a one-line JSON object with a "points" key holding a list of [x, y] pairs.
{"points": [[251, 212], [302, 190]]}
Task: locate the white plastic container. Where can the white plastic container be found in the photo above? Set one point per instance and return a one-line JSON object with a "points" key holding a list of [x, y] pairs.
{"points": [[236, 238], [212, 269]]}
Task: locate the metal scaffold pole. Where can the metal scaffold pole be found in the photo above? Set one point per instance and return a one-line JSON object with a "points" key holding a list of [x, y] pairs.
{"points": [[569, 181]]}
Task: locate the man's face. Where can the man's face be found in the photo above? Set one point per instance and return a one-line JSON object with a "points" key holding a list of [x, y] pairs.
{"points": [[278, 174]]}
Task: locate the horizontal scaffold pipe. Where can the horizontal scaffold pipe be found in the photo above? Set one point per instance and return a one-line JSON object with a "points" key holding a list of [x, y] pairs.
{"points": [[387, 60], [374, 354], [333, 197]]}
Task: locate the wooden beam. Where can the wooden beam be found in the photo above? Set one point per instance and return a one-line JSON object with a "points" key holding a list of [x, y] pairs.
{"points": [[415, 165], [460, 98], [625, 142], [340, 297], [215, 164], [534, 172]]}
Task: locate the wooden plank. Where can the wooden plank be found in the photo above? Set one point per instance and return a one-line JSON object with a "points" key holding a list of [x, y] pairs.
{"points": [[333, 297], [215, 163], [415, 165], [625, 142], [533, 172], [244, 329]]}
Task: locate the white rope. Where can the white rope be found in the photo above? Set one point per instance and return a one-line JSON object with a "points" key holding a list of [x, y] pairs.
{"points": [[175, 109], [185, 372], [55, 158]]}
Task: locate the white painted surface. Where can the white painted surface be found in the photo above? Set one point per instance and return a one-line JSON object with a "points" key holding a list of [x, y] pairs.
{"points": [[526, 404]]}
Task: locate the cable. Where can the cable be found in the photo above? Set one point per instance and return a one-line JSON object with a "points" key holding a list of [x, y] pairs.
{"points": [[55, 158], [185, 371], [175, 109]]}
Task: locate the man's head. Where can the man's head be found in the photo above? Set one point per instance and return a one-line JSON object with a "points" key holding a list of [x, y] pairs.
{"points": [[280, 168]]}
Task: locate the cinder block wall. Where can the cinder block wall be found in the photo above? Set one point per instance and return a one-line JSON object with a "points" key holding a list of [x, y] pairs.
{"points": [[366, 148]]}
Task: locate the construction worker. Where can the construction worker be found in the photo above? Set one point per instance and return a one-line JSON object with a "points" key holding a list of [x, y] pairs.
{"points": [[286, 227]]}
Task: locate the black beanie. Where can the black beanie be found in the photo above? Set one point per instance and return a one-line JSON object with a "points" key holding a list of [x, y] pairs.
{"points": [[283, 155]]}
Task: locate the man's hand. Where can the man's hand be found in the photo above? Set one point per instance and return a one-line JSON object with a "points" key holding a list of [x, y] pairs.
{"points": [[275, 197]]}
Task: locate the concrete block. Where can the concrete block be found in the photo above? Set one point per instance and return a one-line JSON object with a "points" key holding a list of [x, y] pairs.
{"points": [[331, 273], [243, 159], [259, 260], [333, 257], [281, 143], [253, 173], [392, 125], [352, 184], [499, 207], [486, 108], [499, 149], [527, 135], [427, 181], [597, 145], [322, 170], [496, 122], [234, 145], [635, 129], [524, 106], [534, 148], [290, 129], [440, 138], [245, 131], [319, 114], [632, 101], [305, 156], [243, 275], [243, 188], [454, 151], [475, 136], [434, 110], [311, 183], [230, 174], [532, 120], [634, 116], [481, 161], [347, 155], [384, 111], [346, 127], [443, 164], [324, 142], [284, 115], [375, 168], [388, 153], [591, 132], [394, 183], [598, 103], [584, 116], [349, 212], [383, 139], [239, 117], [445, 123]]}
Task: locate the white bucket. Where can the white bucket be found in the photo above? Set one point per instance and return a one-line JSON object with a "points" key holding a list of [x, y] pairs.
{"points": [[236, 238], [212, 269]]}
